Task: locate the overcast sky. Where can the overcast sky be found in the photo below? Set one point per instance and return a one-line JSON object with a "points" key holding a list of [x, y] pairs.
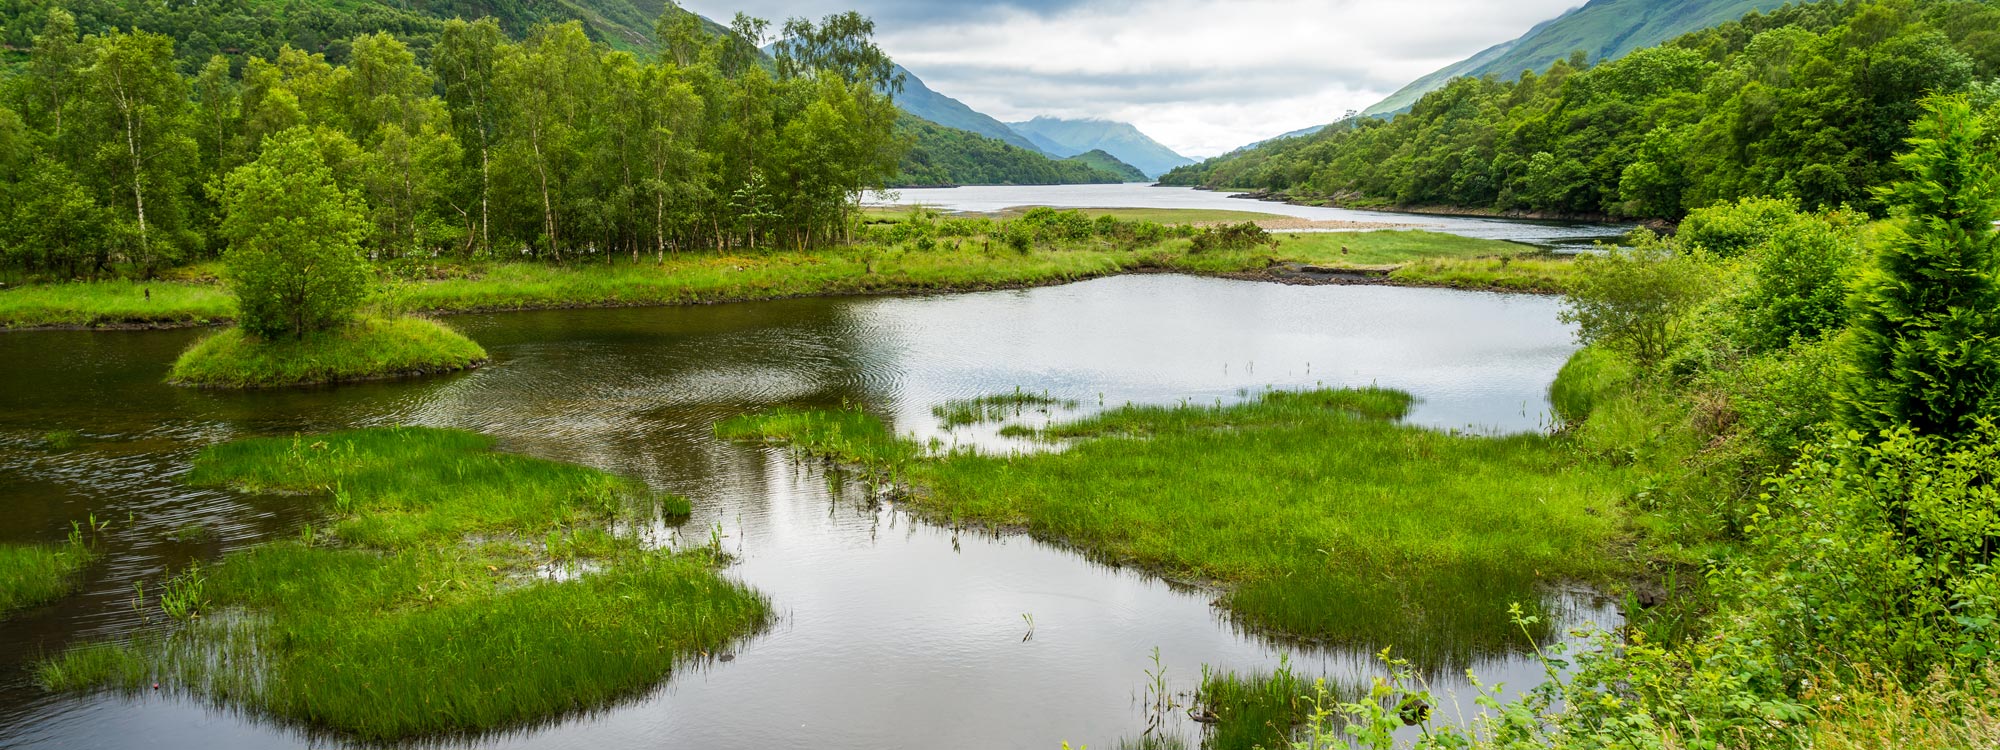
{"points": [[1201, 76]]}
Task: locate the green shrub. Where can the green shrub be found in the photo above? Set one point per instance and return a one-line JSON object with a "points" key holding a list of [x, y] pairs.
{"points": [[1927, 315]]}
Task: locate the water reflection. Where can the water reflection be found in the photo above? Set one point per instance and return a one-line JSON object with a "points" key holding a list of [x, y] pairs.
{"points": [[892, 632]]}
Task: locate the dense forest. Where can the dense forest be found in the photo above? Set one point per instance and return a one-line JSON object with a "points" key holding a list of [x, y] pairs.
{"points": [[1810, 101], [552, 146]]}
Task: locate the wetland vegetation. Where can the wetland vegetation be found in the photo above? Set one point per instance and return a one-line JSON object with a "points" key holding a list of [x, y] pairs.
{"points": [[32, 574], [522, 579], [1320, 516]]}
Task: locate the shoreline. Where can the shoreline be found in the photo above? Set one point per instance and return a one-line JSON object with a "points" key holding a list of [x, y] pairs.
{"points": [[1290, 273]]}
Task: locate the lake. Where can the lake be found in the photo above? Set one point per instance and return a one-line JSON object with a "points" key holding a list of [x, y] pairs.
{"points": [[891, 632]]}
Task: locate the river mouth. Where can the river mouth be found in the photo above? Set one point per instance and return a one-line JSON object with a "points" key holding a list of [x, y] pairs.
{"points": [[891, 632]]}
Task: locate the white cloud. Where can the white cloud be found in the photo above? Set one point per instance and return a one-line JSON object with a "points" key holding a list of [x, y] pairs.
{"points": [[1201, 76]]}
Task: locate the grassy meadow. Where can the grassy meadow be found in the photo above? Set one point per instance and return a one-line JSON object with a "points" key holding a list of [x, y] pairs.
{"points": [[427, 606], [368, 348], [963, 264], [1318, 514]]}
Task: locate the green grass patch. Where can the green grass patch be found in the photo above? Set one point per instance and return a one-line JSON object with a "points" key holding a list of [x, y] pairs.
{"points": [[997, 408], [1390, 246], [1540, 275], [368, 349], [1592, 376], [426, 609], [119, 303], [1321, 516], [32, 574]]}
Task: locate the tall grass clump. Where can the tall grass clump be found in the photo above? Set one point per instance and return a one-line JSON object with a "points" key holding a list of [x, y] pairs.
{"points": [[368, 349], [1593, 376], [1321, 516], [428, 609], [32, 574]]}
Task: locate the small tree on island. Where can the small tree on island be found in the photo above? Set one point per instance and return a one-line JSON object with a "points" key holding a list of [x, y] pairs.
{"points": [[294, 255], [1926, 346]]}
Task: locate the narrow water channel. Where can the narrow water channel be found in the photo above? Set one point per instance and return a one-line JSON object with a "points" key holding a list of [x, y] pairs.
{"points": [[892, 633]]}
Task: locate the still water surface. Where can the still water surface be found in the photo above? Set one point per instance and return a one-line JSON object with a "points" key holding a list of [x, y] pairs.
{"points": [[891, 632]]}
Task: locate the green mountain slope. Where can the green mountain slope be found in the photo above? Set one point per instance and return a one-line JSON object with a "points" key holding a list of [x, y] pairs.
{"points": [[1108, 164], [1072, 137], [944, 156], [1601, 29], [918, 99]]}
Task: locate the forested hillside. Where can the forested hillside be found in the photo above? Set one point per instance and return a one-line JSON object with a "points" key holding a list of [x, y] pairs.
{"points": [[1602, 29], [942, 156], [1810, 101], [1109, 164]]}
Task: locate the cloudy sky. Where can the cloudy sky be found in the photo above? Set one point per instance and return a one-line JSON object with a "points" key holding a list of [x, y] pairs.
{"points": [[1201, 76]]}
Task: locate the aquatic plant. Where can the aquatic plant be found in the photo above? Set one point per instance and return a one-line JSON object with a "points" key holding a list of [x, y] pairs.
{"points": [[996, 408]]}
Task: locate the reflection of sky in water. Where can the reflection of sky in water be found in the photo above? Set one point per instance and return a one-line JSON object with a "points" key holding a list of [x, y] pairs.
{"points": [[891, 633]]}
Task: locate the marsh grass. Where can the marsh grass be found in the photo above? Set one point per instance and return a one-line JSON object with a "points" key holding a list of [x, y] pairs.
{"points": [[426, 611], [997, 408], [1254, 711], [32, 574], [367, 349], [1320, 515], [93, 304]]}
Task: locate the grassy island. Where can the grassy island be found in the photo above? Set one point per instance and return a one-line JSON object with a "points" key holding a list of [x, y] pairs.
{"points": [[32, 574], [368, 349], [455, 590], [1319, 514]]}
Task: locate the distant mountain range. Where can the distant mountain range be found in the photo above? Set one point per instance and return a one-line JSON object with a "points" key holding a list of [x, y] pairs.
{"points": [[1066, 138], [1601, 29], [918, 99]]}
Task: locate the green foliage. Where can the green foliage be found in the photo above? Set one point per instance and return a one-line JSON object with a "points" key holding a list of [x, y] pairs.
{"points": [[1811, 101], [1633, 299], [294, 259], [477, 149], [351, 632], [1233, 238], [368, 349], [1927, 315]]}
